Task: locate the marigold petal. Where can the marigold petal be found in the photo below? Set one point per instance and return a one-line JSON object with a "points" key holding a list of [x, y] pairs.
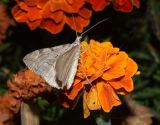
{"points": [[121, 92], [136, 3], [72, 93], [76, 80], [113, 73], [92, 99], [107, 96], [95, 50], [84, 43], [131, 67], [94, 45], [77, 4], [33, 24], [98, 5], [31, 2], [100, 60], [88, 63], [85, 67], [106, 45], [34, 14], [65, 6], [23, 6], [19, 15], [94, 77], [116, 64], [41, 3], [57, 16], [118, 60], [125, 82], [86, 112], [85, 13], [66, 102], [78, 23], [123, 5], [51, 26]]}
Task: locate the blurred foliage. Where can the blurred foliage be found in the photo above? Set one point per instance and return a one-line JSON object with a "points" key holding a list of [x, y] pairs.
{"points": [[5, 1], [138, 33]]}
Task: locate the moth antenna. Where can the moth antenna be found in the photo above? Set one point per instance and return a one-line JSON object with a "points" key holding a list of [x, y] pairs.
{"points": [[95, 25], [74, 23]]}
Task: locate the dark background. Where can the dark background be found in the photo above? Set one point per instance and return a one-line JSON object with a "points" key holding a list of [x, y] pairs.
{"points": [[137, 33]]}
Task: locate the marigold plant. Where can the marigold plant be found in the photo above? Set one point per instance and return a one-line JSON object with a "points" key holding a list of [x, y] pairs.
{"points": [[103, 72]]}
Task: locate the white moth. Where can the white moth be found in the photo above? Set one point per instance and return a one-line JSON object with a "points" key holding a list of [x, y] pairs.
{"points": [[57, 65]]}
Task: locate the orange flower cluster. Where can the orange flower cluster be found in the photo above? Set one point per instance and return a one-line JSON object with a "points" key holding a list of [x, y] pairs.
{"points": [[52, 15], [103, 72], [24, 86], [27, 85]]}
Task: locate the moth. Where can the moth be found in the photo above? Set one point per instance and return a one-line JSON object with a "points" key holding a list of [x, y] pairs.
{"points": [[57, 65]]}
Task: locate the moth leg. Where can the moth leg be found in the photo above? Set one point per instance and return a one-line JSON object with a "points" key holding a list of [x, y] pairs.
{"points": [[84, 47]]}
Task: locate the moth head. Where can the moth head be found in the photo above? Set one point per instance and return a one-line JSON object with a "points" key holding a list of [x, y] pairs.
{"points": [[78, 39]]}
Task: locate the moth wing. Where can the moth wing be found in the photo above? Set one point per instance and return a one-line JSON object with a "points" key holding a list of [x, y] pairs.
{"points": [[43, 62], [66, 66]]}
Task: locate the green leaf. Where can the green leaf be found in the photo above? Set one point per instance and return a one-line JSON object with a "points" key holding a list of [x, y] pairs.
{"points": [[4, 47], [102, 118], [2, 91], [42, 103], [157, 76], [101, 121]]}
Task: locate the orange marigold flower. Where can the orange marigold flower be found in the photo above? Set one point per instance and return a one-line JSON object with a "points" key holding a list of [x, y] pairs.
{"points": [[125, 5], [119, 5], [52, 15], [103, 72]]}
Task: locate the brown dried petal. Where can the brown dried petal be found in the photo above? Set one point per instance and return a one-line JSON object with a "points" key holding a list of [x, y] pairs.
{"points": [[5, 22], [1, 123], [141, 114], [27, 85], [8, 107], [131, 113]]}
